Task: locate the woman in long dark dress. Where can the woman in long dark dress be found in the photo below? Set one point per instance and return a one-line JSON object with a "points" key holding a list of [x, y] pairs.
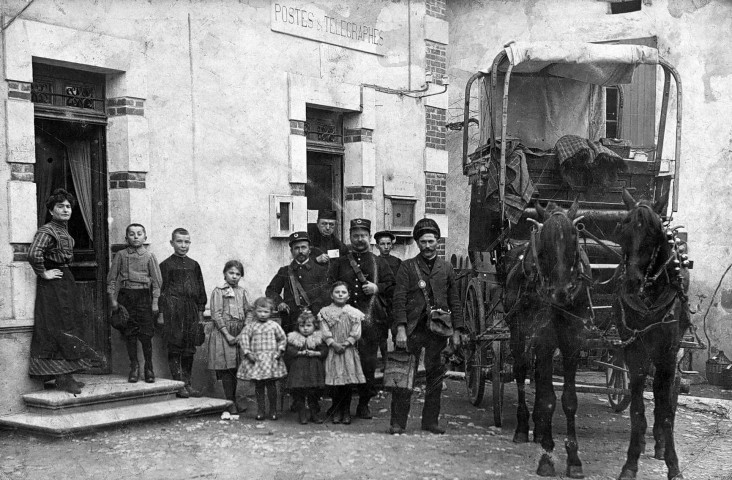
{"points": [[57, 347]]}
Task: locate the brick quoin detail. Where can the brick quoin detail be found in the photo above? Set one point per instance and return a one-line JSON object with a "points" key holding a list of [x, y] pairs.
{"points": [[297, 127], [359, 193], [435, 127], [352, 135], [436, 60], [441, 247], [127, 180], [22, 172], [436, 8], [435, 191], [297, 189], [125, 106], [19, 90]]}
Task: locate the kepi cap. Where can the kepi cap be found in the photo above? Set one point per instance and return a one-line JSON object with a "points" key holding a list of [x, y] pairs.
{"points": [[425, 225], [357, 223], [299, 237], [384, 233]]}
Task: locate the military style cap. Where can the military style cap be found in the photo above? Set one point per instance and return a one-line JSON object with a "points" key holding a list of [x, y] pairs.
{"points": [[384, 233], [361, 223], [326, 214], [299, 237], [425, 225]]}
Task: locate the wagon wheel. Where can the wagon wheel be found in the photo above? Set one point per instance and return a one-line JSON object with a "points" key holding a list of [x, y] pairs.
{"points": [[497, 381], [618, 379], [473, 352]]}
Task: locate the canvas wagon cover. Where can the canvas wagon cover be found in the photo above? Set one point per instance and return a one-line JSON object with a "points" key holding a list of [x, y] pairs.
{"points": [[598, 64]]}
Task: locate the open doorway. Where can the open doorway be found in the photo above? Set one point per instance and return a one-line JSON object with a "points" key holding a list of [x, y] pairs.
{"points": [[70, 155]]}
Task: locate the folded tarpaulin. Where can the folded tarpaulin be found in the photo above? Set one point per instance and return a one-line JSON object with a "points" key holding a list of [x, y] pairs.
{"points": [[519, 187], [580, 158], [599, 64]]}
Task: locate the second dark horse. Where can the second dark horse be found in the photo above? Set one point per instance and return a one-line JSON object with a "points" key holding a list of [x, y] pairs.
{"points": [[548, 305], [652, 313]]}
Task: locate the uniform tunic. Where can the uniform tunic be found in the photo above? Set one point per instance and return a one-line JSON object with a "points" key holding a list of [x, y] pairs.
{"points": [[182, 297], [57, 345], [375, 269], [340, 325], [266, 341], [313, 279], [229, 308], [134, 280]]}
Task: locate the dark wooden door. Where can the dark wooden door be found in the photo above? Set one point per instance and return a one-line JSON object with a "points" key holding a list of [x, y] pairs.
{"points": [[53, 170], [324, 189]]}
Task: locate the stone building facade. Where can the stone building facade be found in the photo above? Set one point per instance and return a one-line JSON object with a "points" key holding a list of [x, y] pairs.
{"points": [[234, 120]]}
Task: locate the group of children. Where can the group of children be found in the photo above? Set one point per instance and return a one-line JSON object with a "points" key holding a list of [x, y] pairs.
{"points": [[247, 343]]}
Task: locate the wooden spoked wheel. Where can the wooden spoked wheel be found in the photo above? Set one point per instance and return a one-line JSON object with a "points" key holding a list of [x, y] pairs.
{"points": [[497, 382], [473, 352], [618, 379]]}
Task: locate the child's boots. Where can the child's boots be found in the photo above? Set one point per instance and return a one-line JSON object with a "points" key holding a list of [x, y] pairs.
{"points": [[261, 405], [147, 354], [314, 405], [228, 381], [272, 398], [187, 369], [346, 407], [131, 343], [177, 374]]}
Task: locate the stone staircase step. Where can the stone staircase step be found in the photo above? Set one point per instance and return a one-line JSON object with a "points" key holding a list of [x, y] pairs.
{"points": [[73, 421], [106, 390]]}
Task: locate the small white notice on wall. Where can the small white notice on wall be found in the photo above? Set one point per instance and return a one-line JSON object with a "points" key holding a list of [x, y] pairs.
{"points": [[312, 216], [399, 186]]}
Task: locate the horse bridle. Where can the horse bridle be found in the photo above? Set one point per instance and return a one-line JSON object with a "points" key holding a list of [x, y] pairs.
{"points": [[577, 265], [648, 278]]}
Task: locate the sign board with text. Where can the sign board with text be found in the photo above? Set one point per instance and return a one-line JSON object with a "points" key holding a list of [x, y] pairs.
{"points": [[306, 20]]}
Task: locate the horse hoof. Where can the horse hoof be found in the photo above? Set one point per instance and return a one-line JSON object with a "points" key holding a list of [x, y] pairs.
{"points": [[575, 471], [546, 467], [659, 453], [520, 437], [678, 476], [627, 474]]}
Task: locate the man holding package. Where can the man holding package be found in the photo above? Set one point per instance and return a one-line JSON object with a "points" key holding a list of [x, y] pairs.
{"points": [[427, 284]]}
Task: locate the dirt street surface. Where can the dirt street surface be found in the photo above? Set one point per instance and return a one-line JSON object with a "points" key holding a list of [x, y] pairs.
{"points": [[208, 447]]}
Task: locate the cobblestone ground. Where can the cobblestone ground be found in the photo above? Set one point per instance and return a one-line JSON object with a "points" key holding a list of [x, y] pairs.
{"points": [[208, 447]]}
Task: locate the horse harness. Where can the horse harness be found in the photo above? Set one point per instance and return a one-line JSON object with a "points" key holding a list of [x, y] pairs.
{"points": [[663, 306]]}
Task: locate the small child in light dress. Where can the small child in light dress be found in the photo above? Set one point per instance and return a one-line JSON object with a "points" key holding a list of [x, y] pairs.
{"points": [[341, 326], [262, 344], [229, 308], [304, 357]]}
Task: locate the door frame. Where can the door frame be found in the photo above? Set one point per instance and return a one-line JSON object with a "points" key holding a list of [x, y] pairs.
{"points": [[100, 241], [333, 159]]}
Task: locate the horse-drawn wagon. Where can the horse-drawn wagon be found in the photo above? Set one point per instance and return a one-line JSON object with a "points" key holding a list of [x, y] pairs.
{"points": [[548, 194]]}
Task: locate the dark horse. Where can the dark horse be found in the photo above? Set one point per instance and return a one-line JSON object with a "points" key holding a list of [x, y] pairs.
{"points": [[651, 315], [548, 304]]}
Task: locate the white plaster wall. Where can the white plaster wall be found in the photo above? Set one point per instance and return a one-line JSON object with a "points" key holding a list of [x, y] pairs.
{"points": [[691, 35], [216, 104]]}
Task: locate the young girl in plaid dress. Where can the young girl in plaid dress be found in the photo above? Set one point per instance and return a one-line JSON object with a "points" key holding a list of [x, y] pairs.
{"points": [[262, 344]]}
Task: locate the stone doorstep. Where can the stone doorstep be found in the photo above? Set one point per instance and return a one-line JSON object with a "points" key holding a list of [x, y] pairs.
{"points": [[101, 389], [73, 422]]}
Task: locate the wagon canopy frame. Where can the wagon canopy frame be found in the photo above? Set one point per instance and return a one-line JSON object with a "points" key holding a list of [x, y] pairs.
{"points": [[596, 64]]}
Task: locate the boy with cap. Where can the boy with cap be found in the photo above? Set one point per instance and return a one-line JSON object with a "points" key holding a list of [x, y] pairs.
{"points": [[370, 282], [322, 237], [385, 242], [301, 284]]}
